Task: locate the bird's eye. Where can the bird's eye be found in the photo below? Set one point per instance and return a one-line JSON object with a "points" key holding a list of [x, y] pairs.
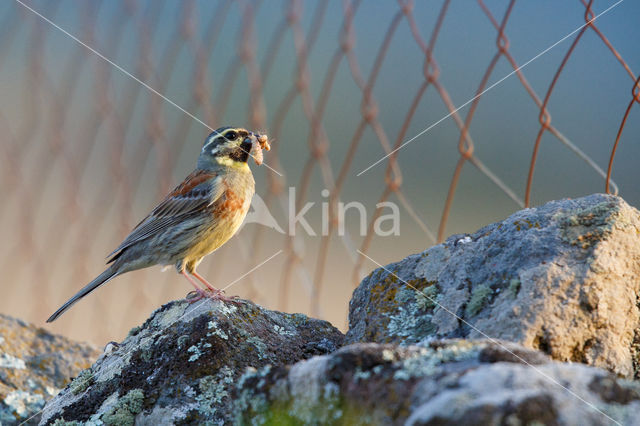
{"points": [[232, 136]]}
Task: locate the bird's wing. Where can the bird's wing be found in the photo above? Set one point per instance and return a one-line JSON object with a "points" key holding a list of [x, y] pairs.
{"points": [[199, 190]]}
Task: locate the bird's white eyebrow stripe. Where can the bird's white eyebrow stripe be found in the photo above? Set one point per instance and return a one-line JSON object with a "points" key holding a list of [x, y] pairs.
{"points": [[212, 139]]}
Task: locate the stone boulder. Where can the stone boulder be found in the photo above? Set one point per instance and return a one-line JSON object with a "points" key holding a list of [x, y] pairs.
{"points": [[182, 364], [438, 383], [563, 278], [34, 366], [493, 327]]}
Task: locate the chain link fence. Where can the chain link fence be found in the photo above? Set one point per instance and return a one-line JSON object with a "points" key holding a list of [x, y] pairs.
{"points": [[87, 150]]}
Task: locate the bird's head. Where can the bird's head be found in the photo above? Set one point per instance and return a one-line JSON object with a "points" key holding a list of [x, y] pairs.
{"points": [[227, 147]]}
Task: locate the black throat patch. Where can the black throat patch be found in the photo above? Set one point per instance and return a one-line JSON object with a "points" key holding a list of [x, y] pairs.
{"points": [[241, 153]]}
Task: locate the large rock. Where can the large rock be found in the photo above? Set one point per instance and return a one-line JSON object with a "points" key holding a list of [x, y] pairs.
{"points": [[182, 364], [34, 366], [440, 383], [563, 278]]}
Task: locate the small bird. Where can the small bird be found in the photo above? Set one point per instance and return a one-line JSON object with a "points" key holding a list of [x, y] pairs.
{"points": [[195, 219]]}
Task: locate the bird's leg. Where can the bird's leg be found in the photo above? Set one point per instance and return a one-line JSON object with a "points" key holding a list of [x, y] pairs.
{"points": [[217, 294], [200, 292], [205, 282]]}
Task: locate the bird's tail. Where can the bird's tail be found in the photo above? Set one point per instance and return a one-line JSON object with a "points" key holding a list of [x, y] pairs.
{"points": [[107, 275]]}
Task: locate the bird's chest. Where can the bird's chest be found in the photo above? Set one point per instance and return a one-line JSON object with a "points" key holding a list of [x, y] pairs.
{"points": [[232, 206], [226, 216], [234, 202], [229, 211]]}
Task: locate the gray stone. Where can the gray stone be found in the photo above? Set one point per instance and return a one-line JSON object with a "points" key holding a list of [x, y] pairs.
{"points": [[182, 364], [34, 366], [437, 383], [563, 278]]}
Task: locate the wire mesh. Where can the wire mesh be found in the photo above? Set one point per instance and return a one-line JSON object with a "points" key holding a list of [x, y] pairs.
{"points": [[87, 151]]}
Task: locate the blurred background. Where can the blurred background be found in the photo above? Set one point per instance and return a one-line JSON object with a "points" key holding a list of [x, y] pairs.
{"points": [[86, 151]]}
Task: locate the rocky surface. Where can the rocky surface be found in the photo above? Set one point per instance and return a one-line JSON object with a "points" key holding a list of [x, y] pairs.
{"points": [[183, 363], [563, 278], [555, 283], [439, 383], [34, 366]]}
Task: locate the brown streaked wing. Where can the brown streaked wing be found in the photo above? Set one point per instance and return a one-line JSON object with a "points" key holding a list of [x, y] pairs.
{"points": [[200, 189]]}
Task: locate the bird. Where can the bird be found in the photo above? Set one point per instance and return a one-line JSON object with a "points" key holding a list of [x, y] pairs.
{"points": [[195, 219]]}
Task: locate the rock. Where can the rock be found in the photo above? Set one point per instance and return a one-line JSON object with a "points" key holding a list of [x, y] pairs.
{"points": [[563, 278], [34, 366], [182, 364], [438, 383]]}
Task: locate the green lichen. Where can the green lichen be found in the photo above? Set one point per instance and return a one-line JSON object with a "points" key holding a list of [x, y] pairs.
{"points": [[216, 330], [283, 331], [262, 401], [415, 367], [125, 411], [63, 422], [227, 309], [479, 298], [426, 361], [82, 382], [359, 375], [198, 349], [419, 291], [514, 286], [213, 390], [409, 325], [327, 403], [254, 343], [196, 353], [260, 412], [426, 299], [322, 410], [169, 315]]}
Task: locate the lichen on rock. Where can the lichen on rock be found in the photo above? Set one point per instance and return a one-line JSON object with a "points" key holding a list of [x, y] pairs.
{"points": [[34, 366], [439, 382], [183, 362], [562, 278], [471, 331], [125, 411]]}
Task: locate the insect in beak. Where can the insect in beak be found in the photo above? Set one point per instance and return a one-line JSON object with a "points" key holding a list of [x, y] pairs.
{"points": [[264, 142], [258, 143]]}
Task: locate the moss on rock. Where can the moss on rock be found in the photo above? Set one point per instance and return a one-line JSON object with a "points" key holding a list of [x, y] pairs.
{"points": [[478, 300], [126, 409]]}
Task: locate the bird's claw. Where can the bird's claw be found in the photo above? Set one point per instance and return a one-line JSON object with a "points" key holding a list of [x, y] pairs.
{"points": [[219, 295], [194, 296]]}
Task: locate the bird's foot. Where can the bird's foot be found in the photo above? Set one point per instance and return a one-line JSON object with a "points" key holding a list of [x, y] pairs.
{"points": [[194, 296], [219, 295], [214, 294]]}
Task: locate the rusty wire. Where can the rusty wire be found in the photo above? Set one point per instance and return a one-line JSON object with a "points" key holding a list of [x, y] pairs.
{"points": [[192, 48]]}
